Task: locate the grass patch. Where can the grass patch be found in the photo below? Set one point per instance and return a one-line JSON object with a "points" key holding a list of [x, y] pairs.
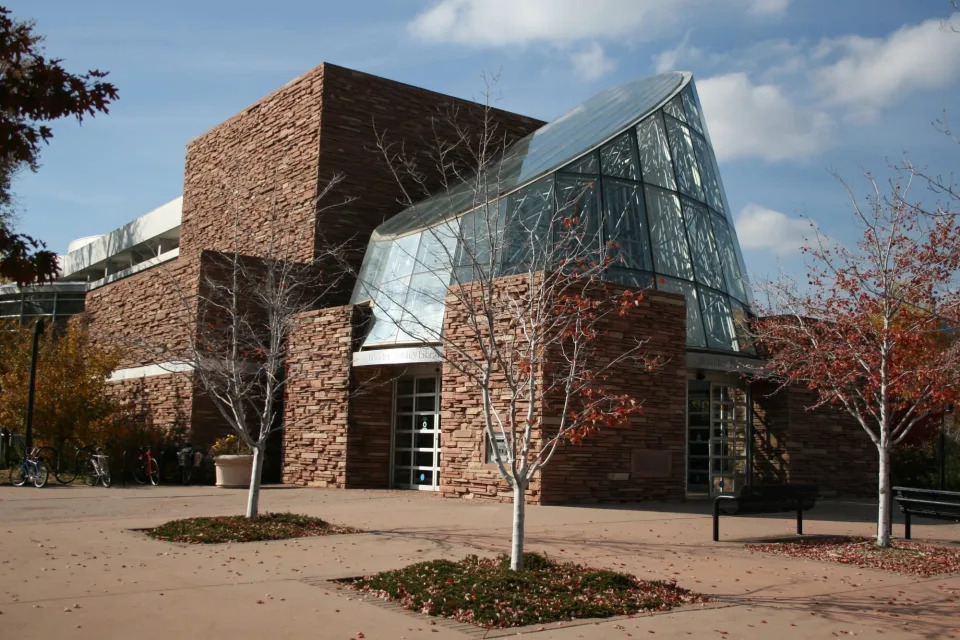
{"points": [[267, 526], [904, 556], [485, 592]]}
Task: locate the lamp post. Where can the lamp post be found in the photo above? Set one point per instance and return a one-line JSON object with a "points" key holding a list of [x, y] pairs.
{"points": [[28, 430], [948, 408]]}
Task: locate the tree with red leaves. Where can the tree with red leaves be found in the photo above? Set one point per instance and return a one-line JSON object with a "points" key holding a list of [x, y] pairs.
{"points": [[522, 285], [34, 90], [873, 332]]}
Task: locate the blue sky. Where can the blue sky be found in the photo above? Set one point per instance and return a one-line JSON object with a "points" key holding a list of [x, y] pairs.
{"points": [[792, 90]]}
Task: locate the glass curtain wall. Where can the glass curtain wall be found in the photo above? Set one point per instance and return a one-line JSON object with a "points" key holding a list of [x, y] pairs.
{"points": [[651, 195]]}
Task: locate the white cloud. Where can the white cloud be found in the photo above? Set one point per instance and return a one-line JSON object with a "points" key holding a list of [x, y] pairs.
{"points": [[497, 23], [768, 7], [764, 229], [592, 62], [866, 74], [673, 59], [748, 120]]}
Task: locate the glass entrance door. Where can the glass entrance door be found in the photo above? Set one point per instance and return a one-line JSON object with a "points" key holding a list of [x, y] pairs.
{"points": [[416, 433], [717, 437]]}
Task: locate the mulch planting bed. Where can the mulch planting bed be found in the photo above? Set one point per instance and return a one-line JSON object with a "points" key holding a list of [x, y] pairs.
{"points": [[486, 593], [905, 556], [267, 526]]}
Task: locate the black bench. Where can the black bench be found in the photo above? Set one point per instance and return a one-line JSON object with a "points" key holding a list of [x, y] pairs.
{"points": [[766, 498], [927, 503]]}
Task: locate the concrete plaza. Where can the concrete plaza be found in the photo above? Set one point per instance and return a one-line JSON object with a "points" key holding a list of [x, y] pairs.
{"points": [[71, 564]]}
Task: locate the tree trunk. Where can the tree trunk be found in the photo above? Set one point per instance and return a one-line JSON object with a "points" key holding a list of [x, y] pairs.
{"points": [[253, 497], [883, 494], [519, 517]]}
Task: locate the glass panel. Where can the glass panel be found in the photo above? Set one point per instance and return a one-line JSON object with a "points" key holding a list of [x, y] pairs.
{"points": [[404, 403], [426, 385], [628, 243], [479, 230], [423, 311], [425, 422], [10, 309], [708, 171], [586, 164], [528, 218], [618, 158], [577, 203], [671, 256], [423, 458], [422, 477], [402, 256], [655, 152], [627, 278], [741, 329], [681, 145], [690, 108], [69, 307], [705, 260], [369, 277], [675, 109], [401, 476], [426, 403], [401, 458], [405, 386], [695, 336], [728, 257], [423, 440], [717, 320], [437, 248]]}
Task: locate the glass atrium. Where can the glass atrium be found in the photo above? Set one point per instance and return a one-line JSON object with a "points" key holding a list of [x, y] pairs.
{"points": [[634, 163]]}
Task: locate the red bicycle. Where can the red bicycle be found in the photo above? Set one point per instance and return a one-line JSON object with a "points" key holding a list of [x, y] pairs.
{"points": [[146, 468]]}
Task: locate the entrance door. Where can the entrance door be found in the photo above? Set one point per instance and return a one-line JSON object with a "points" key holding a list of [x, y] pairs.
{"points": [[416, 433], [717, 437]]}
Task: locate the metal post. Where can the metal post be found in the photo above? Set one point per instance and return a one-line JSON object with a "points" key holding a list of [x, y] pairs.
{"points": [[943, 446], [28, 428]]}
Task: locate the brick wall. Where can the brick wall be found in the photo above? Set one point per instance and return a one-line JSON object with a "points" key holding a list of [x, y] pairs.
{"points": [[601, 469], [825, 446], [369, 425], [144, 314], [161, 401]]}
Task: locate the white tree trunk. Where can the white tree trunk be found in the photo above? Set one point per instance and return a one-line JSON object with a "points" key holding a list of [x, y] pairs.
{"points": [[519, 517], [883, 494], [253, 497]]}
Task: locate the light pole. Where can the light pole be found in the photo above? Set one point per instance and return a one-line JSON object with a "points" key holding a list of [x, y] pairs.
{"points": [[28, 430], [948, 408]]}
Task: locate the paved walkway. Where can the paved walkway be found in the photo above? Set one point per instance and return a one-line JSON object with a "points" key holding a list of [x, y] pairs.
{"points": [[70, 566]]}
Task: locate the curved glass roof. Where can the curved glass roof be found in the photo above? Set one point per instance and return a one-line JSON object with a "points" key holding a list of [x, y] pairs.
{"points": [[548, 148], [634, 164]]}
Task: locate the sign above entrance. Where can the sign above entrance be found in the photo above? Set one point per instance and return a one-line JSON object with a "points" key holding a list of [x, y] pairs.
{"points": [[718, 362], [403, 355]]}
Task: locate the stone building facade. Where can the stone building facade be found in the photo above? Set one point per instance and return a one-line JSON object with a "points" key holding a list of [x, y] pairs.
{"points": [[368, 407]]}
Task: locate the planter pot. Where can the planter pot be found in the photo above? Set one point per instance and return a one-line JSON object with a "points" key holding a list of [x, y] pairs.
{"points": [[233, 471]]}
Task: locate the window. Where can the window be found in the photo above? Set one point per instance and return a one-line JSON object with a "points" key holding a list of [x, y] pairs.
{"points": [[626, 225], [702, 248], [708, 172], [690, 108], [655, 153], [681, 146], [671, 255], [718, 321], [728, 258], [529, 213], [499, 443], [695, 336], [618, 158], [577, 203]]}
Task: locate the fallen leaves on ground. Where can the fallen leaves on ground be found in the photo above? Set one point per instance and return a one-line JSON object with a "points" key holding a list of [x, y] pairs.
{"points": [[903, 556], [267, 526], [487, 593]]}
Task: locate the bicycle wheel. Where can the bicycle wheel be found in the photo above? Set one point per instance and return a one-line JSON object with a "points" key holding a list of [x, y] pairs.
{"points": [[187, 475], [89, 472], [17, 477], [105, 477], [64, 472], [140, 472], [41, 475], [153, 472]]}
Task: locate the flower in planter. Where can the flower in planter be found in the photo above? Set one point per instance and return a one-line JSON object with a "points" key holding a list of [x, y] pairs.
{"points": [[229, 445]]}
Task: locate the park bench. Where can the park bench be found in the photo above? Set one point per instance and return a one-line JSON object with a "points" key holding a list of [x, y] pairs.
{"points": [[927, 503], [765, 498]]}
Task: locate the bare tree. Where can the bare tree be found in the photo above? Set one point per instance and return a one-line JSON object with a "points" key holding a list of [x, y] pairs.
{"points": [[511, 293], [873, 332], [239, 323]]}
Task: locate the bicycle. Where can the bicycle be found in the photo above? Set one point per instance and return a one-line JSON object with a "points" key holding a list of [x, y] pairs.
{"points": [[147, 468], [96, 468], [31, 469]]}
